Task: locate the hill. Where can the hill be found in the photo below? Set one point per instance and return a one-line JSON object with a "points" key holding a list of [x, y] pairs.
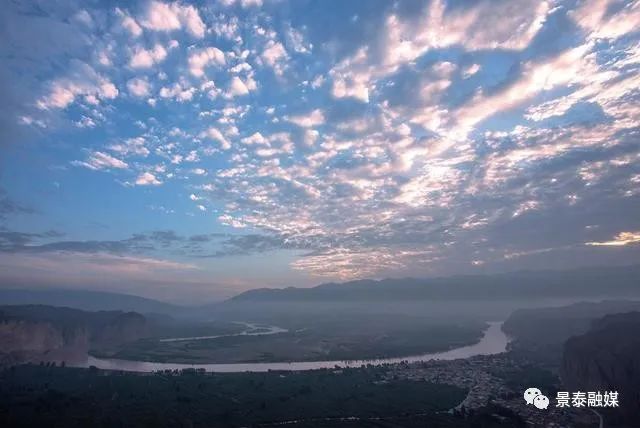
{"points": [[87, 300], [587, 282], [607, 358], [540, 333], [38, 332]]}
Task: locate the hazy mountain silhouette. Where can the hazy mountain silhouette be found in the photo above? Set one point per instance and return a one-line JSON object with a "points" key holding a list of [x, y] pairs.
{"points": [[86, 300], [587, 282]]}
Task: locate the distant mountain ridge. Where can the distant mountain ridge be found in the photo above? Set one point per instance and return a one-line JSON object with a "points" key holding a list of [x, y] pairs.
{"points": [[621, 281], [86, 300]]}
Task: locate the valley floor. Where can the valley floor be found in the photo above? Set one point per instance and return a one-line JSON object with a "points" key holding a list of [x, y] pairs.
{"points": [[480, 391]]}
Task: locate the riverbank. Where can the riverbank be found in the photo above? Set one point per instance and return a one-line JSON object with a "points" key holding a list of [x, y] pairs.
{"points": [[493, 341], [332, 338]]}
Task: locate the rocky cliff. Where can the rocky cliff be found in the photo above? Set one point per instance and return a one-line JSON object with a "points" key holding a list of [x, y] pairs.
{"points": [[44, 333], [607, 357]]}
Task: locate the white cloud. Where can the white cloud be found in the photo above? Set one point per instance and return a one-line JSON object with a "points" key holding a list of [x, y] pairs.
{"points": [[312, 119], [238, 87], [216, 135], [101, 161], [317, 81], [143, 58], [243, 3], [201, 58], [108, 90], [83, 80], [621, 239], [128, 23], [594, 16], [563, 69], [241, 67], [310, 136], [180, 91], [131, 146], [355, 86], [173, 16], [275, 55], [84, 18], [139, 86], [404, 41], [86, 122], [255, 138], [295, 39], [350, 78], [470, 71], [147, 179]]}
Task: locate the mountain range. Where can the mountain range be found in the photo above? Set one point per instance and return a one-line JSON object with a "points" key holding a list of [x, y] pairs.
{"points": [[586, 282], [86, 300], [603, 282]]}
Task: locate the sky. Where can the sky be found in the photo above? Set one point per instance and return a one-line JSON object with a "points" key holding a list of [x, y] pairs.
{"points": [[189, 151]]}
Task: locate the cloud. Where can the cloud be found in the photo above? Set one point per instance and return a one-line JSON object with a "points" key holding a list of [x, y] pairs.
{"points": [[129, 23], [82, 80], [204, 245], [470, 71], [131, 146], [402, 41], [99, 161], [139, 87], [10, 207], [243, 3], [83, 270], [621, 239], [147, 179], [84, 18], [255, 138], [296, 41], [202, 58], [536, 77], [216, 135], [354, 86], [143, 58], [310, 136], [173, 16], [238, 87], [594, 16], [275, 55], [419, 140], [181, 91], [312, 119]]}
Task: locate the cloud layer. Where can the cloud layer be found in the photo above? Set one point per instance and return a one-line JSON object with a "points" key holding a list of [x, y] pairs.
{"points": [[414, 138]]}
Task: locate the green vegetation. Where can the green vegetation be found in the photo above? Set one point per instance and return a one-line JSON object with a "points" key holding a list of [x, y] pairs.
{"points": [[64, 397], [317, 339], [521, 378]]}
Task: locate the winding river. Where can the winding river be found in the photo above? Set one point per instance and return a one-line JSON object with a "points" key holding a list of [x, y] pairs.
{"points": [[493, 341], [251, 330]]}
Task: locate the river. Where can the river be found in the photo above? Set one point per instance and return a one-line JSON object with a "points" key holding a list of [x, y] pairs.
{"points": [[251, 330], [493, 341]]}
